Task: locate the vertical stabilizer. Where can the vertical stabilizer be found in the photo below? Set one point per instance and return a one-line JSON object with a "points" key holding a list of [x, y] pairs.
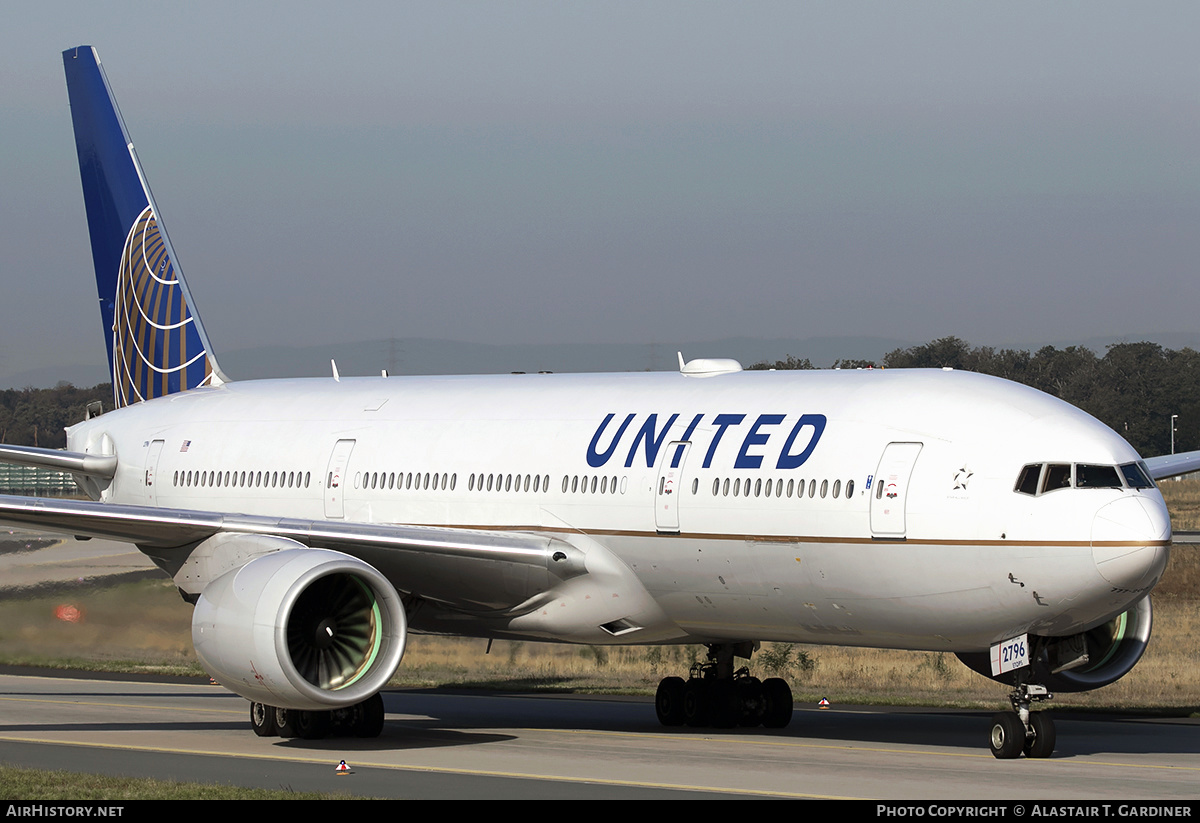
{"points": [[156, 344]]}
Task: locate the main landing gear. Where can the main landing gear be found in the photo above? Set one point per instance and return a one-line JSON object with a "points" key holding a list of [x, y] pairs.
{"points": [[1022, 730], [715, 695], [363, 719]]}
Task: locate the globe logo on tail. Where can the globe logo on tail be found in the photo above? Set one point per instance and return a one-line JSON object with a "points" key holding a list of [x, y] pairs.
{"points": [[157, 348]]}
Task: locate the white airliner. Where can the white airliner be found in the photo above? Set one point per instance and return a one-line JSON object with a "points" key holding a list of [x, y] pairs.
{"points": [[313, 523]]}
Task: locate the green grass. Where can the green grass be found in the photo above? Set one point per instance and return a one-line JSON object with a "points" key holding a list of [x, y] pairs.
{"points": [[38, 785]]}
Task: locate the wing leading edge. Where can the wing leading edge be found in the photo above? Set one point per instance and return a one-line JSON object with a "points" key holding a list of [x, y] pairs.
{"points": [[1173, 465], [457, 567]]}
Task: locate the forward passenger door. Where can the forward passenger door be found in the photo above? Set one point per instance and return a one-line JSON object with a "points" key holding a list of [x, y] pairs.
{"points": [[889, 496]]}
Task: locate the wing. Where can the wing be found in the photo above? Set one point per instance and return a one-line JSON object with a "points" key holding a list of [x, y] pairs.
{"points": [[99, 466], [458, 567], [1171, 465]]}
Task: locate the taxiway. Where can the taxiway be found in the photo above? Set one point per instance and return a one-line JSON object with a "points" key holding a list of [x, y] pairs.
{"points": [[460, 746]]}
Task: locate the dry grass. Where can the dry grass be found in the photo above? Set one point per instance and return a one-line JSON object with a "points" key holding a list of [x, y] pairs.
{"points": [[146, 627], [1183, 499]]}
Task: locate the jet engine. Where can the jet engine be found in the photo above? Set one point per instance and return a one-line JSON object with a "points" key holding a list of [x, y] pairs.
{"points": [[1084, 661], [300, 628]]}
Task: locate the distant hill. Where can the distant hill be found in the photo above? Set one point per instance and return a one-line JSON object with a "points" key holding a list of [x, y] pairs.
{"points": [[423, 356]]}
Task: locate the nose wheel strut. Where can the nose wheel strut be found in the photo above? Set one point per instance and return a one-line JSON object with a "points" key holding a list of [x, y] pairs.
{"points": [[1021, 730]]}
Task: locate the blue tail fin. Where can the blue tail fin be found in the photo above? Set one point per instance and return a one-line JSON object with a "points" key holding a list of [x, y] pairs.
{"points": [[156, 344]]}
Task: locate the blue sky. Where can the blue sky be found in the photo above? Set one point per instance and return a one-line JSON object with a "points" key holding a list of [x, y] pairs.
{"points": [[621, 172]]}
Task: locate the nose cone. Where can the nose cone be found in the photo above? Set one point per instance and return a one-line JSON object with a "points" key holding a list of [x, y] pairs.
{"points": [[1129, 541]]}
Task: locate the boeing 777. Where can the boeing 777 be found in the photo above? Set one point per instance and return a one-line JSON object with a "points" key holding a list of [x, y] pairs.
{"points": [[313, 523]]}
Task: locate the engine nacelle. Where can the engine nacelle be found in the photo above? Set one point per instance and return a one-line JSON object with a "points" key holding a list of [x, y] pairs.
{"points": [[1111, 650], [300, 628]]}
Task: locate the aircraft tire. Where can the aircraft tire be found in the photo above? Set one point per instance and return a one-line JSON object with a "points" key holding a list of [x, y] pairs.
{"points": [[1044, 735], [725, 710], [369, 722], [669, 701], [751, 705], [262, 720], [1007, 738], [285, 722], [777, 697], [697, 703], [312, 725]]}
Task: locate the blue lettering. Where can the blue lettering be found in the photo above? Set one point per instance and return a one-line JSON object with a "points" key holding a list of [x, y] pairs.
{"points": [[650, 439], [652, 443], [595, 459], [787, 460], [687, 435], [753, 461], [723, 422]]}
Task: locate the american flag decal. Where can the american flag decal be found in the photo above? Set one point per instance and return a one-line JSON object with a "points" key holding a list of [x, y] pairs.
{"points": [[185, 445]]}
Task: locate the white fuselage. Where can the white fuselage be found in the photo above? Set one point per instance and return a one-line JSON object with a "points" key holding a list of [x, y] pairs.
{"points": [[850, 507]]}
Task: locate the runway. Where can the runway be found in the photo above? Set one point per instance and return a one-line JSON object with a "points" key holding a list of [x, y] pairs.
{"points": [[464, 746]]}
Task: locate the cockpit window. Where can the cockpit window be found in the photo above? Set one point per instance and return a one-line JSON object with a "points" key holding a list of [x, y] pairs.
{"points": [[1136, 476], [1027, 483], [1096, 477], [1040, 478], [1058, 476]]}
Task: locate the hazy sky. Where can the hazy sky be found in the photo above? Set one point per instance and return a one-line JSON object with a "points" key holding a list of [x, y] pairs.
{"points": [[621, 172]]}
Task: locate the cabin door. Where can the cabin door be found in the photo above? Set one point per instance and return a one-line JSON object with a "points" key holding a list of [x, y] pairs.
{"points": [[151, 476], [336, 477], [889, 492], [669, 487]]}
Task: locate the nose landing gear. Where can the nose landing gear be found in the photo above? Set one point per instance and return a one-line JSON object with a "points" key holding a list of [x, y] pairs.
{"points": [[1022, 730]]}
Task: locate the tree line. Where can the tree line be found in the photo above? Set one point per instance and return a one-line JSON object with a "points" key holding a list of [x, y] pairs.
{"points": [[1134, 387], [37, 417]]}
